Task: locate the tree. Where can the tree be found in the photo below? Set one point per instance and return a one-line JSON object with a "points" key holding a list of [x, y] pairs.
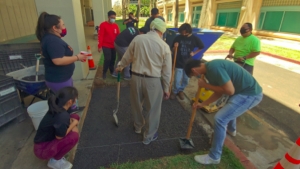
{"points": [[124, 8], [145, 11], [138, 12], [176, 14], [117, 8]]}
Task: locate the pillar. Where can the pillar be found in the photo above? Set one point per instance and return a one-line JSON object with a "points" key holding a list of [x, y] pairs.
{"points": [[99, 13], [70, 12], [188, 12], [250, 11]]}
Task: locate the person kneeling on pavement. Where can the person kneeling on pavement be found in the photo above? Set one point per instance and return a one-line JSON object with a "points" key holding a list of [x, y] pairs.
{"points": [[57, 133], [224, 77], [186, 43]]}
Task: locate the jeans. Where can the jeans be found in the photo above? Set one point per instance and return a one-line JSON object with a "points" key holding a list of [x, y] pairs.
{"points": [[120, 52], [109, 59], [181, 80], [226, 119]]}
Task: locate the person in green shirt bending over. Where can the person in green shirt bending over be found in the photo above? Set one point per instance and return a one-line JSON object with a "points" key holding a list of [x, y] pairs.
{"points": [[245, 48]]}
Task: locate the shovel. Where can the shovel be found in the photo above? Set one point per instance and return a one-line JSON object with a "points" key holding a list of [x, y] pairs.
{"points": [[118, 100], [173, 69], [187, 142], [38, 57]]}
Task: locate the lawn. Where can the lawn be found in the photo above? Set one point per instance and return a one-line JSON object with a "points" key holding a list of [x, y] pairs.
{"points": [[229, 161]]}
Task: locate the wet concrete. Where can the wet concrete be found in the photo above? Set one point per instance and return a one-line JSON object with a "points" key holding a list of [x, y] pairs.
{"points": [[262, 143], [102, 143]]}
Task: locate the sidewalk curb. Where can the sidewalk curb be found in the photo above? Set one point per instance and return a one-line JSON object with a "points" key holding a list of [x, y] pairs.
{"points": [[265, 53]]}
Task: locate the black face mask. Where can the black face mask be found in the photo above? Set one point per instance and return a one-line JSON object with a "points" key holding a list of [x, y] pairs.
{"points": [[243, 30]]}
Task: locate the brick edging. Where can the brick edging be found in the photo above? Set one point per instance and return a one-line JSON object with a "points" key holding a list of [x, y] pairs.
{"points": [[239, 154], [265, 53]]}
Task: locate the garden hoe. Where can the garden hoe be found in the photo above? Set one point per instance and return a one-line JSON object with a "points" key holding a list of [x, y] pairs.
{"points": [[187, 143], [118, 100], [173, 68]]}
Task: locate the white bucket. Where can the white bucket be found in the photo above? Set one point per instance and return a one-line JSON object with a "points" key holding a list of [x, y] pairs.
{"points": [[37, 111]]}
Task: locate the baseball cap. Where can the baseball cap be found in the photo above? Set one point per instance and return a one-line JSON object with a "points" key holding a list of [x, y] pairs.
{"points": [[158, 24]]}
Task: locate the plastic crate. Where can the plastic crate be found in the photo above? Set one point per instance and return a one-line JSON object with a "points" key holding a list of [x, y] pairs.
{"points": [[7, 86], [15, 56], [9, 102], [11, 115]]}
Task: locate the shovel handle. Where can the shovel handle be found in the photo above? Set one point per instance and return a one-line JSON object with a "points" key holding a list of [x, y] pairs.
{"points": [[37, 65], [194, 112], [173, 68], [118, 85]]}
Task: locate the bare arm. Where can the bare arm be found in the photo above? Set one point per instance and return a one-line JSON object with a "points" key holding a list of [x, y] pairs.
{"points": [[252, 55], [66, 60], [72, 125], [227, 88], [214, 97]]}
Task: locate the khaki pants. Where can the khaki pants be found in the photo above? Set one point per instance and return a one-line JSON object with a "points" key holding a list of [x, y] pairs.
{"points": [[148, 92]]}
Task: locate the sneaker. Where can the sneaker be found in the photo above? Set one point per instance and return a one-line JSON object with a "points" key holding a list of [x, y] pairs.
{"points": [[114, 75], [233, 134], [76, 110], [146, 142], [173, 96], [127, 78], [181, 95], [205, 159], [104, 76], [59, 164]]}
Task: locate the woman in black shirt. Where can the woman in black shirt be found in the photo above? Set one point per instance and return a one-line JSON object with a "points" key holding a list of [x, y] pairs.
{"points": [[59, 60], [57, 133]]}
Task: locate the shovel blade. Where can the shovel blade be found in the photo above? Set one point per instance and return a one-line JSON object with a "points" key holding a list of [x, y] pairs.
{"points": [[116, 120], [186, 143]]}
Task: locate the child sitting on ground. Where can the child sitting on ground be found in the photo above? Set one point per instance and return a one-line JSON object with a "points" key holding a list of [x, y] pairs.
{"points": [[186, 43], [57, 133]]}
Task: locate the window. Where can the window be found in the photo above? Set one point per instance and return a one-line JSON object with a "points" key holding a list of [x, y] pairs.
{"points": [[181, 15], [196, 15], [229, 19], [170, 15], [279, 21]]}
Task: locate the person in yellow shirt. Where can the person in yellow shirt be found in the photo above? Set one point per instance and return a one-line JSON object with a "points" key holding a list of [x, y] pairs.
{"points": [[245, 48]]}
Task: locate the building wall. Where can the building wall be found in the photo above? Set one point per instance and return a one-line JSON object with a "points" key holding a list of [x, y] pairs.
{"points": [[279, 18], [18, 18]]}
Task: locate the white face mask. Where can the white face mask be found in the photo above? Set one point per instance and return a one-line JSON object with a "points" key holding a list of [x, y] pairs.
{"points": [[112, 20]]}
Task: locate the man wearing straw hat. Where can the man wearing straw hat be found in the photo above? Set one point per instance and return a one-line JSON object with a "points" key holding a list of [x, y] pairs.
{"points": [[151, 61]]}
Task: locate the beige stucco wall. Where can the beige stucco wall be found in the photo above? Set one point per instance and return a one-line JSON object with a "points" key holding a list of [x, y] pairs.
{"points": [[18, 18]]}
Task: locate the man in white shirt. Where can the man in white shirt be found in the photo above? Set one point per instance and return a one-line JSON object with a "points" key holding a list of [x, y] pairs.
{"points": [[151, 60]]}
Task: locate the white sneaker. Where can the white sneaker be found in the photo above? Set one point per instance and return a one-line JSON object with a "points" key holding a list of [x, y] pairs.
{"points": [[233, 134], [59, 164], [205, 159]]}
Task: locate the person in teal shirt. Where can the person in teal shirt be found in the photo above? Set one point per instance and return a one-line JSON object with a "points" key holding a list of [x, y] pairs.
{"points": [[245, 48], [224, 77]]}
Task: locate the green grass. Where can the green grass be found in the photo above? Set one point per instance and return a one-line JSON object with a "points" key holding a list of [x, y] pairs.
{"points": [[229, 161], [225, 42], [122, 27]]}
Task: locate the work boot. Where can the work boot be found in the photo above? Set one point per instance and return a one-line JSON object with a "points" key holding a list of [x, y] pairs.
{"points": [[181, 95], [173, 96]]}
